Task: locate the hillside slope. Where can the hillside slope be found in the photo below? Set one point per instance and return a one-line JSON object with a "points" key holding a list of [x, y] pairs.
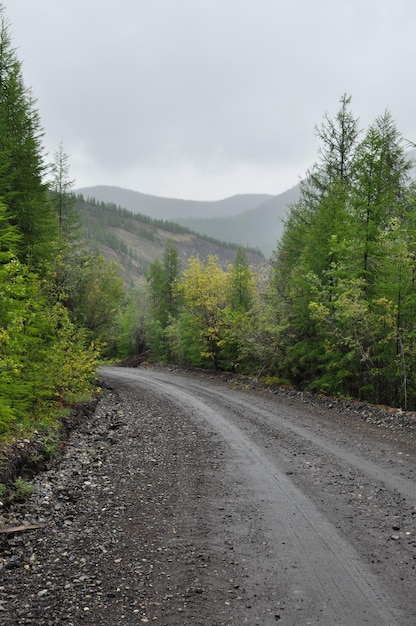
{"points": [[254, 220], [260, 227], [135, 241]]}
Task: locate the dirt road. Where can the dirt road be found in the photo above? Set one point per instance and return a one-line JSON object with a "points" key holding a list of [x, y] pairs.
{"points": [[187, 501]]}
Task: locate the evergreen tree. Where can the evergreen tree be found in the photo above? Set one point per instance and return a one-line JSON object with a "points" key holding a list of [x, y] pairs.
{"points": [[308, 254], [9, 237], [21, 161], [338, 138], [162, 277], [321, 210], [162, 280], [63, 201], [380, 179], [241, 283], [171, 270], [241, 295], [45, 359], [382, 208]]}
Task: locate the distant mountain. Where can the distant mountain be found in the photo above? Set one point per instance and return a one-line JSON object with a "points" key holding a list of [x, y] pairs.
{"points": [[260, 227], [254, 220], [171, 208]]}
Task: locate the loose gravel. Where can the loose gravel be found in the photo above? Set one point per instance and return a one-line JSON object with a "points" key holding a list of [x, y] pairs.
{"points": [[119, 532]]}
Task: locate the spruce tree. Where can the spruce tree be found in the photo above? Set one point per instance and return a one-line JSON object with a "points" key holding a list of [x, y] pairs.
{"points": [[162, 277], [9, 237], [22, 167]]}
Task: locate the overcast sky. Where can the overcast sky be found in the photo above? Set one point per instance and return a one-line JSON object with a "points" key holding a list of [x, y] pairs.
{"points": [[204, 99]]}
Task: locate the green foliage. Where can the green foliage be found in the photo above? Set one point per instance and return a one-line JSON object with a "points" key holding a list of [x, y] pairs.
{"points": [[45, 361], [343, 276], [196, 317], [9, 236], [162, 278], [165, 299], [242, 286], [93, 293], [22, 169], [131, 325], [57, 305], [205, 289], [20, 490], [185, 343]]}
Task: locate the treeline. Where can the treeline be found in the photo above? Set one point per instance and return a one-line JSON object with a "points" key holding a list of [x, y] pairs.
{"points": [[97, 216], [58, 302], [119, 217], [337, 313]]}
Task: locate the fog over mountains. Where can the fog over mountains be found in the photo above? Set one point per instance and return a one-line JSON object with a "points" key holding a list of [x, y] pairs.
{"points": [[254, 220]]}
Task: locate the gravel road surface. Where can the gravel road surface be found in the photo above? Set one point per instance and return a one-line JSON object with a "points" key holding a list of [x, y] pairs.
{"points": [[187, 500]]}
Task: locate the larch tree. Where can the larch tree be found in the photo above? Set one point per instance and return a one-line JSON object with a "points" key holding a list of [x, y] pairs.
{"points": [[382, 208], [164, 298], [380, 179], [62, 198], [308, 254]]}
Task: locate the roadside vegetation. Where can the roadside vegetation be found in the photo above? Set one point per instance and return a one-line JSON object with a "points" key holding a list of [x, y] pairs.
{"points": [[336, 312], [57, 300]]}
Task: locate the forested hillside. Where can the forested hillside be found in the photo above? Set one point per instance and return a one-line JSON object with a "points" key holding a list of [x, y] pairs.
{"points": [[251, 220], [134, 240]]}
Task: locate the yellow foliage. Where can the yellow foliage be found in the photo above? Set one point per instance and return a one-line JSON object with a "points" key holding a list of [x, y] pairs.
{"points": [[204, 287], [205, 294]]}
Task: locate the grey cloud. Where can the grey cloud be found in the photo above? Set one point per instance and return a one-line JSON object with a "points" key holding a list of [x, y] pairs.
{"points": [[212, 95]]}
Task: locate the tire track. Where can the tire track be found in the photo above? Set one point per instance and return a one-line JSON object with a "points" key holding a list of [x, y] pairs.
{"points": [[325, 580]]}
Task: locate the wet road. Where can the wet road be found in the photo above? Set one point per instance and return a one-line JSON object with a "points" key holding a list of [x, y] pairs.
{"points": [[322, 509]]}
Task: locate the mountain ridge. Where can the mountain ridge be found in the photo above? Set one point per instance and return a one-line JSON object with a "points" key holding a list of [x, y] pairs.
{"points": [[163, 207], [260, 227]]}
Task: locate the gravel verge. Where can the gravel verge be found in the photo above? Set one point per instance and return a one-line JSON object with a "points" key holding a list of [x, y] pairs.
{"points": [[118, 532]]}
